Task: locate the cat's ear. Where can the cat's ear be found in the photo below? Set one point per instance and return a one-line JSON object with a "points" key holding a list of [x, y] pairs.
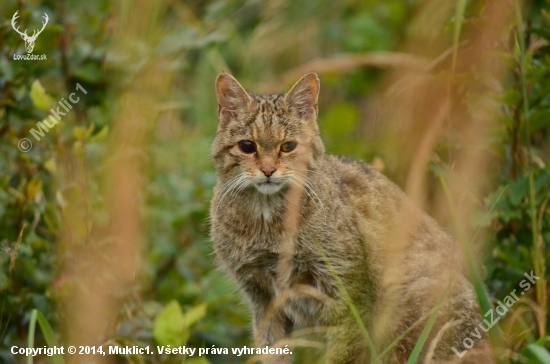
{"points": [[303, 96], [232, 97]]}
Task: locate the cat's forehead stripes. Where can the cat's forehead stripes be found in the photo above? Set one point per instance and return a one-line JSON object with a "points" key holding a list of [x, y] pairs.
{"points": [[269, 137], [270, 109], [266, 124]]}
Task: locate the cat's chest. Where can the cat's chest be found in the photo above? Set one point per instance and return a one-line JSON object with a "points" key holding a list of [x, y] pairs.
{"points": [[251, 218], [263, 209], [263, 266]]}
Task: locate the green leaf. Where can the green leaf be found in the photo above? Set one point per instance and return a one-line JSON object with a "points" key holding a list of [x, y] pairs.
{"points": [[538, 352], [538, 120], [49, 336], [542, 180], [6, 68], [170, 325], [512, 96], [34, 187], [518, 190], [79, 133], [78, 148], [195, 314], [543, 340], [39, 97], [51, 166], [90, 73], [89, 131], [102, 135]]}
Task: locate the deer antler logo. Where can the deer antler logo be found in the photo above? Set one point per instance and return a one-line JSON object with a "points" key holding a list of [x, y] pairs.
{"points": [[29, 41]]}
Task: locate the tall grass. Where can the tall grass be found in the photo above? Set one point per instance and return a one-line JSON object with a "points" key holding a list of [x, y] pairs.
{"points": [[48, 333], [427, 131], [538, 243], [111, 263]]}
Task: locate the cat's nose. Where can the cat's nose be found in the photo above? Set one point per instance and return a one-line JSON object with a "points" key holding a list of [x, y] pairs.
{"points": [[268, 170]]}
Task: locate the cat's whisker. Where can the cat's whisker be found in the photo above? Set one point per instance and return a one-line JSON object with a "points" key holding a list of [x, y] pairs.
{"points": [[235, 189], [305, 184], [231, 184], [302, 186], [239, 188], [226, 187], [229, 188], [308, 184], [227, 184]]}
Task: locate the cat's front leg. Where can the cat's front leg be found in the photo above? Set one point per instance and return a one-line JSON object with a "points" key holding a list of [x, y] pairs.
{"points": [[270, 329], [270, 323], [346, 344]]}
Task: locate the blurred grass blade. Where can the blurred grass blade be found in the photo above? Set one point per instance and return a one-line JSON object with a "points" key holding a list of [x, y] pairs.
{"points": [[482, 292], [423, 337], [350, 303], [30, 339], [428, 328], [539, 352], [49, 335], [471, 264], [402, 335], [459, 19], [479, 287]]}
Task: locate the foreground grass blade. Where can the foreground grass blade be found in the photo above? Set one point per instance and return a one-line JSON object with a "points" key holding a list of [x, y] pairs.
{"points": [[30, 339], [428, 328], [349, 301], [423, 337], [539, 352], [49, 335], [471, 264], [459, 19]]}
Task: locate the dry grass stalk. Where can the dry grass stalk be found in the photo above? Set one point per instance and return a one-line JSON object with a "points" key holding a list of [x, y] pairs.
{"points": [[16, 249], [437, 338], [421, 114], [112, 261], [348, 62]]}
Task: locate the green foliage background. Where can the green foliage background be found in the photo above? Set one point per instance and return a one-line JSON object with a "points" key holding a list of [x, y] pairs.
{"points": [[181, 298]]}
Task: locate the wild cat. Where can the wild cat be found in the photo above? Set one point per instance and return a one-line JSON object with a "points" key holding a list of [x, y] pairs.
{"points": [[314, 240]]}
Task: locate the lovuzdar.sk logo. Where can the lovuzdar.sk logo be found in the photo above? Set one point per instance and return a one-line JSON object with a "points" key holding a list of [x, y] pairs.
{"points": [[29, 40]]}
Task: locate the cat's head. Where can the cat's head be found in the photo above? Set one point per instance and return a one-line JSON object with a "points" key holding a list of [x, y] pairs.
{"points": [[266, 141]]}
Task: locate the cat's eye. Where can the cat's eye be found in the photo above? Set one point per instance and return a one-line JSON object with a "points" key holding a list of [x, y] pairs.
{"points": [[288, 147], [247, 146]]}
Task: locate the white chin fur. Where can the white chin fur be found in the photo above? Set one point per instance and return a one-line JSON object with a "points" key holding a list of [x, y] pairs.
{"points": [[269, 188]]}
